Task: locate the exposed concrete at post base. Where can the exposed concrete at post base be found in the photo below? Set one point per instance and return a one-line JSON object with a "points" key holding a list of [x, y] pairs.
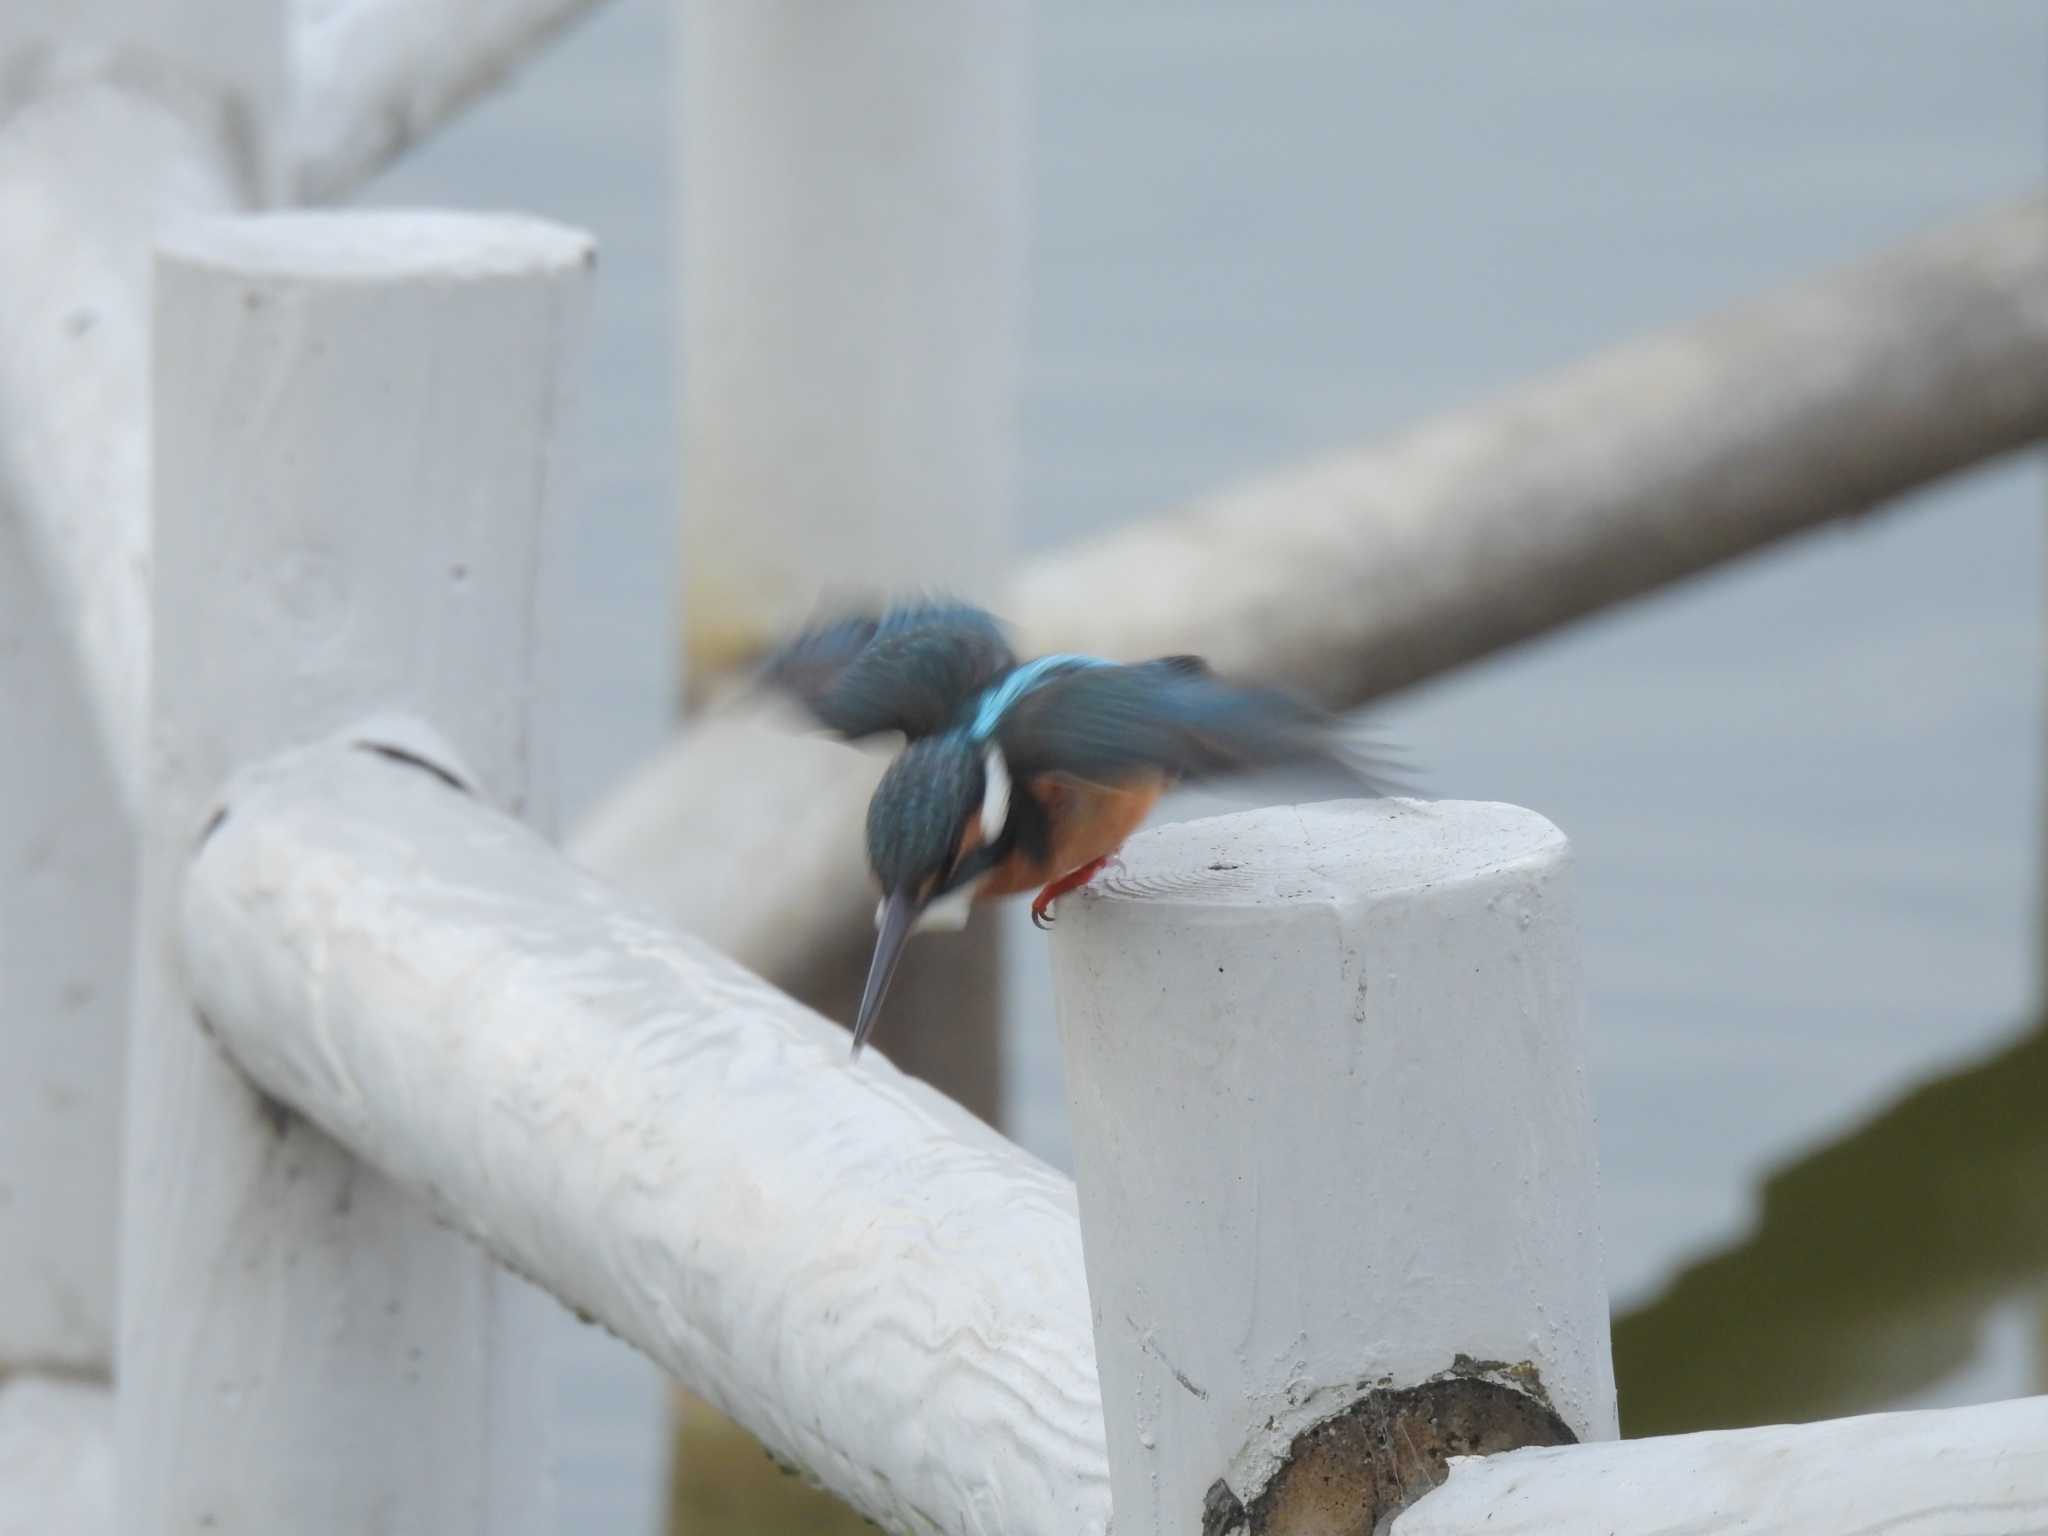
{"points": [[1354, 1471]]}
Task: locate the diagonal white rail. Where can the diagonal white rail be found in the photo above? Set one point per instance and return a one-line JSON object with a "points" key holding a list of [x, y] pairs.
{"points": [[373, 77], [880, 1287]]}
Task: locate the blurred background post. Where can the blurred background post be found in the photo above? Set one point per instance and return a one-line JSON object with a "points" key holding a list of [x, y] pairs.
{"points": [[851, 220]]}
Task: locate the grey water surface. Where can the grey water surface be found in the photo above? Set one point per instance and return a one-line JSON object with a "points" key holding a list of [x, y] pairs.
{"points": [[1804, 790]]}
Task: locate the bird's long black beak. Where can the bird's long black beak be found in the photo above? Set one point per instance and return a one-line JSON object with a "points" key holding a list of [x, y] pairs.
{"points": [[899, 911]]}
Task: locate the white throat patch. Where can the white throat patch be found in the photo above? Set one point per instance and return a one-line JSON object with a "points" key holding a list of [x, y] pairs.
{"points": [[946, 915], [995, 797]]}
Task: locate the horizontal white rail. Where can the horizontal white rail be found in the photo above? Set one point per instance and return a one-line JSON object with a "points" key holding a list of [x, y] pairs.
{"points": [[1947, 1472], [885, 1291]]}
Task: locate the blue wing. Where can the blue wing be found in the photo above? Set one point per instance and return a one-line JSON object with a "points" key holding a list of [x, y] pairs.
{"points": [[912, 668], [1110, 724]]}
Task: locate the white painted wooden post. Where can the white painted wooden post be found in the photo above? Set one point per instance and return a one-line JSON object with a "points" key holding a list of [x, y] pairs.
{"points": [[853, 186], [67, 870], [357, 438], [853, 195], [1332, 1133], [116, 117], [113, 117]]}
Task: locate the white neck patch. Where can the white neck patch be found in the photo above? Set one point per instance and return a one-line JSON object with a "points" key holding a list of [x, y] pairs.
{"points": [[946, 915], [995, 796]]}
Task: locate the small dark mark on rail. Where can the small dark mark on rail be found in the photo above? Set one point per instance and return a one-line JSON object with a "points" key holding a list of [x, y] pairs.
{"points": [[1151, 1347], [213, 825], [275, 1111], [414, 760]]}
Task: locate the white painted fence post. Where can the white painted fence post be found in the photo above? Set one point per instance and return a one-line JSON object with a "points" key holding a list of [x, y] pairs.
{"points": [[357, 436], [853, 243], [67, 865], [114, 115], [854, 185], [1332, 1134]]}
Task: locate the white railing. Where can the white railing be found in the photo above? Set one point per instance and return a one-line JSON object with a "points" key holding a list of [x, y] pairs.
{"points": [[1336, 1213], [879, 1286]]}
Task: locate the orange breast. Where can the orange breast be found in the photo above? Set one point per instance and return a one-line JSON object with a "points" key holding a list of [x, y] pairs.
{"points": [[1088, 822]]}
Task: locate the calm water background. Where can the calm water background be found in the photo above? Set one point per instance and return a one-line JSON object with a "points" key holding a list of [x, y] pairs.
{"points": [[1804, 790]]}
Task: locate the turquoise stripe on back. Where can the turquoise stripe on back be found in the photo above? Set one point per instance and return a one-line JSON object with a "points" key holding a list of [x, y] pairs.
{"points": [[1017, 684]]}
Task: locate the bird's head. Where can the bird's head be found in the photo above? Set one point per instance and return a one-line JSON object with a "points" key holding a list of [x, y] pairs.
{"points": [[933, 826]]}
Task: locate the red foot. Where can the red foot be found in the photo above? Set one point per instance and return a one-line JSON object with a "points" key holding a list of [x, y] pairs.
{"points": [[1041, 904]]}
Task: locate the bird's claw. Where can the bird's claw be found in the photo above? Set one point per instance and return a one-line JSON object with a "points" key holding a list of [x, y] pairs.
{"points": [[1041, 916]]}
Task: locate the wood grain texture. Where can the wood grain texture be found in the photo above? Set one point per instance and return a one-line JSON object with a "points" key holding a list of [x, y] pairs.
{"points": [[877, 1285]]}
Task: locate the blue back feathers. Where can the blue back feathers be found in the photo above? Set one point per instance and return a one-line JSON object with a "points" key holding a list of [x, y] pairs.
{"points": [[998, 700]]}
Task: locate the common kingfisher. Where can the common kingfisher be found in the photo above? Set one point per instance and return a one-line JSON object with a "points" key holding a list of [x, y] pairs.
{"points": [[1020, 774]]}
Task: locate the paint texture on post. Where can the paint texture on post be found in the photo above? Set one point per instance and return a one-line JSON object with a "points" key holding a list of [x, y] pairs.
{"points": [[1332, 1133], [856, 1269], [358, 436]]}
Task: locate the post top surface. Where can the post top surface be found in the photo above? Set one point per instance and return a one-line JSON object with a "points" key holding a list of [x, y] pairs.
{"points": [[376, 245], [1332, 850]]}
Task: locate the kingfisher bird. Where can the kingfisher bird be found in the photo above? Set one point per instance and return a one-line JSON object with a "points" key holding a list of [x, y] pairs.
{"points": [[1020, 774]]}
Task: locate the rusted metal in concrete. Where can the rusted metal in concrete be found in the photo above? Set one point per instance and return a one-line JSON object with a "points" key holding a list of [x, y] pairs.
{"points": [[1350, 1474]]}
